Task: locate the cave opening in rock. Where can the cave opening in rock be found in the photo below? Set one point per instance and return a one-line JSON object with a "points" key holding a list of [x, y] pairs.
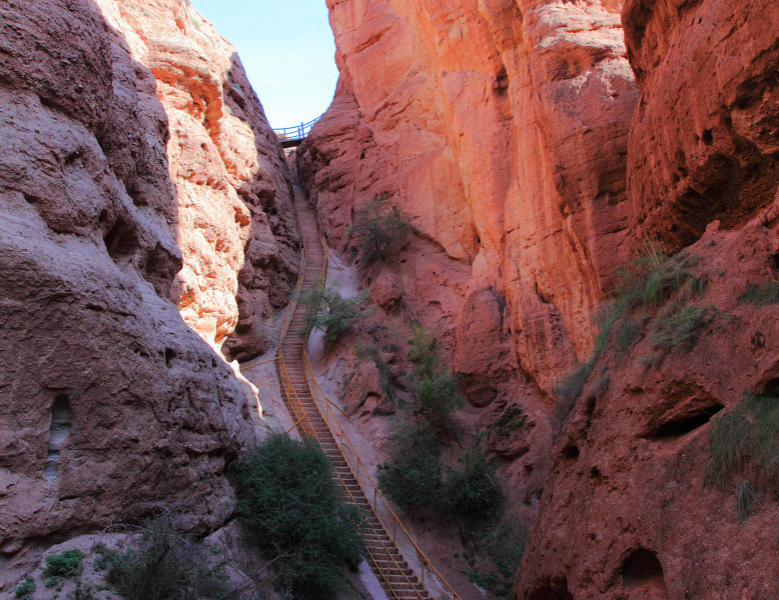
{"points": [[682, 426], [642, 567], [552, 590]]}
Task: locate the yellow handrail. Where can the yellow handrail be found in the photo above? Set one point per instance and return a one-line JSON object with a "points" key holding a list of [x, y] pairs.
{"points": [[343, 438], [265, 362], [343, 441]]}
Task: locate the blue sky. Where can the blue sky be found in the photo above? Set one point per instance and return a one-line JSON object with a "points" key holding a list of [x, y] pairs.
{"points": [[288, 51]]}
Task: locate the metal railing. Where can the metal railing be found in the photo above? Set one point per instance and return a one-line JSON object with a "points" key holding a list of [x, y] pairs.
{"points": [[382, 556], [386, 515], [297, 132]]}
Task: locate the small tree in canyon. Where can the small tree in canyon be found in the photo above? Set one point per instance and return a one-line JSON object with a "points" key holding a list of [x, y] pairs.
{"points": [[379, 230], [330, 312], [437, 390]]}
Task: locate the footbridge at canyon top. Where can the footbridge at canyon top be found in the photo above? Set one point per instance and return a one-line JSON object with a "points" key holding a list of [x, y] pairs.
{"points": [[291, 137]]}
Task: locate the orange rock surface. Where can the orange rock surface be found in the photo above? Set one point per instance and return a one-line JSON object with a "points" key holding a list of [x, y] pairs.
{"points": [[500, 129], [534, 146], [627, 512], [235, 222]]}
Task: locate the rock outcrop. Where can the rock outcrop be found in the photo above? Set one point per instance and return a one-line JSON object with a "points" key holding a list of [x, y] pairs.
{"points": [[704, 141], [500, 129], [137, 173], [535, 146], [628, 511]]}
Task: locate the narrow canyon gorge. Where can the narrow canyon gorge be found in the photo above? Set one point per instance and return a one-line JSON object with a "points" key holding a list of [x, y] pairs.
{"points": [[584, 255]]}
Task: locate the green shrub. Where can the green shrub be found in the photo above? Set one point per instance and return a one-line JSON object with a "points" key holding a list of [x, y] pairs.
{"points": [[652, 278], [293, 510], [746, 437], [328, 311], [746, 500], [472, 491], [373, 353], [413, 477], [64, 564], [627, 336], [570, 387], [379, 230], [439, 393], [26, 588], [679, 329], [164, 564], [762, 295], [423, 353], [729, 447], [504, 543], [83, 592]]}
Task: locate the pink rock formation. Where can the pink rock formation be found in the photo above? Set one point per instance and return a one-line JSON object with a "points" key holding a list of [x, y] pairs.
{"points": [[500, 129], [626, 512], [109, 402]]}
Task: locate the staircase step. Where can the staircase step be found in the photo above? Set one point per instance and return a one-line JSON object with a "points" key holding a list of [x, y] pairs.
{"points": [[402, 582]]}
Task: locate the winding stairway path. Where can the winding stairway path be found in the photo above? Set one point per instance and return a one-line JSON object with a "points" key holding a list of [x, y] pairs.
{"points": [[400, 579]]}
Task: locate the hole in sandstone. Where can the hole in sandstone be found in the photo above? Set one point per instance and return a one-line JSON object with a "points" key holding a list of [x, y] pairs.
{"points": [[642, 568], [121, 242], [771, 388], [707, 137], [170, 354], [775, 265], [48, 103], [571, 452], [596, 474], [553, 590], [30, 199], [58, 433], [679, 427]]}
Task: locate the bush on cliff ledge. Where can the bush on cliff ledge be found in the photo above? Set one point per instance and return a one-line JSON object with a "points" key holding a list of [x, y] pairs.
{"points": [[165, 564], [329, 312], [378, 230], [293, 510]]}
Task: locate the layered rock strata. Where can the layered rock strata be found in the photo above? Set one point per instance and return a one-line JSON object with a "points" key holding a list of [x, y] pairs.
{"points": [[137, 177]]}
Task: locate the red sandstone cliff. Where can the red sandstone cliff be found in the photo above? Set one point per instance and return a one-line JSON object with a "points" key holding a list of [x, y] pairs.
{"points": [[626, 512], [500, 129], [533, 158], [137, 172]]}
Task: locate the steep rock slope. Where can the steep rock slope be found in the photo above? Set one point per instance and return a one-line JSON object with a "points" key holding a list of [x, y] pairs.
{"points": [[500, 129], [109, 402], [629, 511]]}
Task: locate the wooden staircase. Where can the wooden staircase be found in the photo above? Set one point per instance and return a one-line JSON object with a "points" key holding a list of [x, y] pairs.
{"points": [[316, 417]]}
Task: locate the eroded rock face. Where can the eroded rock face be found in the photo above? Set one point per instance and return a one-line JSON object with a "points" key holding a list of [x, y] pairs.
{"points": [[500, 129], [705, 139], [506, 131], [235, 223], [627, 511], [109, 402]]}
